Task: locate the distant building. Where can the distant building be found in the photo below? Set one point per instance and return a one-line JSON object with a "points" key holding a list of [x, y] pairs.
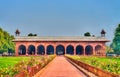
{"points": [[60, 45]]}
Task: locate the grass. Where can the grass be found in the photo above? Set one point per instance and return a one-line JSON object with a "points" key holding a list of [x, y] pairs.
{"points": [[87, 59], [109, 64], [11, 61], [10, 66]]}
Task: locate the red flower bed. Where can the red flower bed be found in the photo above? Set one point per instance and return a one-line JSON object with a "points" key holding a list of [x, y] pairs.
{"points": [[27, 68]]}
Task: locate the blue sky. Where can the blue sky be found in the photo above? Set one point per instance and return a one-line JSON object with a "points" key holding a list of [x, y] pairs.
{"points": [[60, 17]]}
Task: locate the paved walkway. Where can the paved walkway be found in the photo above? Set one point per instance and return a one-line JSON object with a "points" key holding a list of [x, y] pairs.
{"points": [[60, 67]]}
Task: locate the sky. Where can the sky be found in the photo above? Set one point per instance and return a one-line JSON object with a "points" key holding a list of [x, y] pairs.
{"points": [[60, 17]]}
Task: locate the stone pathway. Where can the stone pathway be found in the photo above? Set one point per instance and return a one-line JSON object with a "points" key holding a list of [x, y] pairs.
{"points": [[60, 67]]}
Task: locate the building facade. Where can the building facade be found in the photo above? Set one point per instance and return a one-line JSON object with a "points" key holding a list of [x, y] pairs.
{"points": [[76, 45]]}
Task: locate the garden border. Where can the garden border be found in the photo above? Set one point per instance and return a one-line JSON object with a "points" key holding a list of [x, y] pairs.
{"points": [[31, 71], [96, 71]]}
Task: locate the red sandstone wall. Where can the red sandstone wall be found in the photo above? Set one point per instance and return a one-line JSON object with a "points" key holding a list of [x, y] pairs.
{"points": [[65, 44]]}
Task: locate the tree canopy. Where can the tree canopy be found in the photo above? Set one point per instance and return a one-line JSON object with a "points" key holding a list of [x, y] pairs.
{"points": [[116, 41], [6, 44], [31, 34], [87, 34]]}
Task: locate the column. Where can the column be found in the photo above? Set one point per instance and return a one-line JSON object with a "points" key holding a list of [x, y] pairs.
{"points": [[16, 50], [84, 50], [93, 50], [104, 51], [65, 49], [45, 50], [35, 50], [74, 50], [54, 50], [26, 49]]}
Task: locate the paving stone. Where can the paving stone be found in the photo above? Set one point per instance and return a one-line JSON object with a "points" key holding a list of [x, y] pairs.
{"points": [[60, 67]]}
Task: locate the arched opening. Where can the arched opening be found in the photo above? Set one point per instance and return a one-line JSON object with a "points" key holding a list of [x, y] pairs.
{"points": [[50, 50], [70, 50], [31, 50], [89, 50], [79, 50], [98, 49], [22, 50], [60, 50], [40, 50]]}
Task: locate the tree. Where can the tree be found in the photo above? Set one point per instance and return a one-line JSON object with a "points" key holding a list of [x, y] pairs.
{"points": [[6, 43], [35, 34], [87, 34], [116, 41], [30, 34]]}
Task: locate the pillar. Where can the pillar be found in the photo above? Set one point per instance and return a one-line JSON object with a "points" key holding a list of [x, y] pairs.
{"points": [[104, 51], [54, 49], [65, 49], [26, 49], [45, 50], [93, 50], [35, 50], [16, 50], [74, 50], [84, 50]]}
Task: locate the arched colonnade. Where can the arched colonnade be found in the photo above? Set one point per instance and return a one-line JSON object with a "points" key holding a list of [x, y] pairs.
{"points": [[60, 49]]}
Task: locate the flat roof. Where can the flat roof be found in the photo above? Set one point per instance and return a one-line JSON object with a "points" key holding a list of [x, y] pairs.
{"points": [[59, 38]]}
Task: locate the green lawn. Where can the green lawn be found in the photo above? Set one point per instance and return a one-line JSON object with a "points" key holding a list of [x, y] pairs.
{"points": [[11, 61], [13, 65], [100, 59], [109, 64]]}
